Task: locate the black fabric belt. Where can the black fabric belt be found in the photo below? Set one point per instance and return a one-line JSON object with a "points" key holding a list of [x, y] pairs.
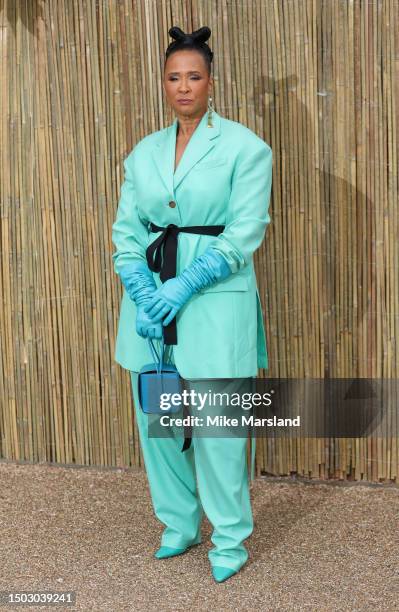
{"points": [[162, 257]]}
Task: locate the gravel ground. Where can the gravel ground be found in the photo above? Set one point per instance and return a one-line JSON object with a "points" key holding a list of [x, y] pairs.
{"points": [[314, 547]]}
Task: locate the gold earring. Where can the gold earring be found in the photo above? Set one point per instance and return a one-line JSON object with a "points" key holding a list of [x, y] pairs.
{"points": [[210, 109]]}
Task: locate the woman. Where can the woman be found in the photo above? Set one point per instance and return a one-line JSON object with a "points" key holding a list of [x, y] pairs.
{"points": [[193, 210]]}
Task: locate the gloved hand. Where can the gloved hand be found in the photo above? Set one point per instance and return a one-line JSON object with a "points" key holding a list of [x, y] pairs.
{"points": [[204, 271], [140, 286], [146, 327]]}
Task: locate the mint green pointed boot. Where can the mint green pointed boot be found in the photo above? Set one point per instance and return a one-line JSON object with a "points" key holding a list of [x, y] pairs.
{"points": [[166, 551], [221, 574]]}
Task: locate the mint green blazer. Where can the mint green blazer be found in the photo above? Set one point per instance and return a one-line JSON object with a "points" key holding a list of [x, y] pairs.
{"points": [[224, 177]]}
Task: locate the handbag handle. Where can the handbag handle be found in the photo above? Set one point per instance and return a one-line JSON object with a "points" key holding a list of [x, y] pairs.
{"points": [[158, 359]]}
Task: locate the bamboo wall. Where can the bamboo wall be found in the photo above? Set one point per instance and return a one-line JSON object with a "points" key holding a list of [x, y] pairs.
{"points": [[80, 85]]}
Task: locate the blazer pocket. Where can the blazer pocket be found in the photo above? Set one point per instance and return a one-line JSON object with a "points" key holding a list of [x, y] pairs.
{"points": [[232, 283], [209, 164]]}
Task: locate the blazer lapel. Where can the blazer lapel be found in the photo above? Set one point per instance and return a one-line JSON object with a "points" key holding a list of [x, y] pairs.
{"points": [[200, 143]]}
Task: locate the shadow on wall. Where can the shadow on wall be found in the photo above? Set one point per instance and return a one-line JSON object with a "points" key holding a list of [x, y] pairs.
{"points": [[28, 12], [338, 254]]}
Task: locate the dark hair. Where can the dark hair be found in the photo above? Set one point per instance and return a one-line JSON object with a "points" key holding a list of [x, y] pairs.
{"points": [[194, 41]]}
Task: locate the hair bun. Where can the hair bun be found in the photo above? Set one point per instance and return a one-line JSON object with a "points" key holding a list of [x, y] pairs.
{"points": [[177, 33], [201, 35], [197, 37]]}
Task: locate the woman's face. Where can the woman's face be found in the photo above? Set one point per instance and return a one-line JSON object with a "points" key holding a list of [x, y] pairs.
{"points": [[186, 77]]}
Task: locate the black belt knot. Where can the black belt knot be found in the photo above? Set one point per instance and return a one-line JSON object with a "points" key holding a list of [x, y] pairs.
{"points": [[164, 248]]}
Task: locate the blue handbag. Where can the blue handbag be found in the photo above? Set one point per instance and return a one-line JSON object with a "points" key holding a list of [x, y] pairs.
{"points": [[157, 378]]}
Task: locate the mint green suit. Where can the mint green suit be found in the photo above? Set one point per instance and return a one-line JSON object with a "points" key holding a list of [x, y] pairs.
{"points": [[223, 178]]}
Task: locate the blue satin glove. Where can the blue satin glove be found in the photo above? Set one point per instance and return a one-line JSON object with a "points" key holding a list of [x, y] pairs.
{"points": [[204, 271], [140, 286]]}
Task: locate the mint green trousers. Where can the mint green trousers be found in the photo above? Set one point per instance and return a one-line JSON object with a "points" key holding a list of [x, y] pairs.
{"points": [[211, 477]]}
